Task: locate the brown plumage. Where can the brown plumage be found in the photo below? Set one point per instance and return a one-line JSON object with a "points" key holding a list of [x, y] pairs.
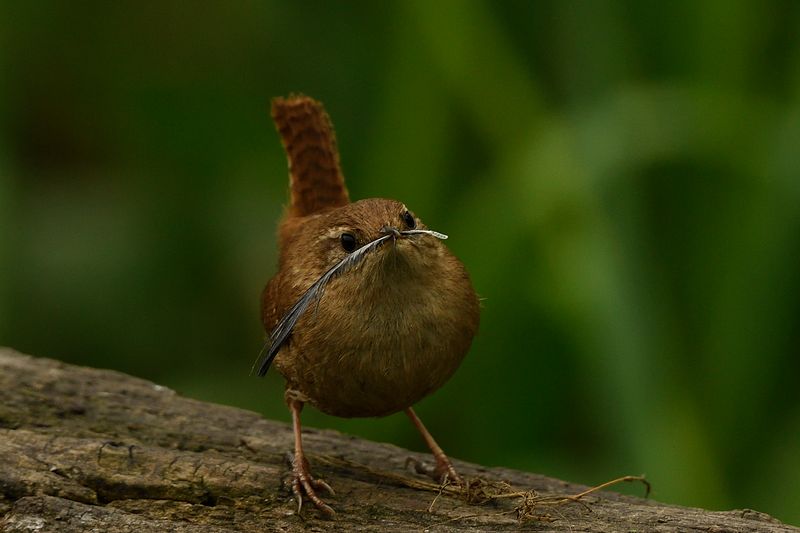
{"points": [[384, 334], [316, 180]]}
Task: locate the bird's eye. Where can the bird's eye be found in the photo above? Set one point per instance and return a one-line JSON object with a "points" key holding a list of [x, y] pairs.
{"points": [[408, 220], [348, 242]]}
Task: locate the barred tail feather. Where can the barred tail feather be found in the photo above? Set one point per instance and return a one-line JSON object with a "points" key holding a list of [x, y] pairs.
{"points": [[315, 178]]}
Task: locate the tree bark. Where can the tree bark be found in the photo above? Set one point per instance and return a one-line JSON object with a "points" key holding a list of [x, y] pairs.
{"points": [[83, 449]]}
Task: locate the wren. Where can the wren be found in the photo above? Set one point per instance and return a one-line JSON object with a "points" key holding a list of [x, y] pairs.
{"points": [[369, 312]]}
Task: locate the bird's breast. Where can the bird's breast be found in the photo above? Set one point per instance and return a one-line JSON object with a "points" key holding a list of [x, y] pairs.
{"points": [[375, 350]]}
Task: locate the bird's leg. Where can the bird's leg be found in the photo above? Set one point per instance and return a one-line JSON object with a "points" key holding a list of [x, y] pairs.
{"points": [[302, 481], [444, 471]]}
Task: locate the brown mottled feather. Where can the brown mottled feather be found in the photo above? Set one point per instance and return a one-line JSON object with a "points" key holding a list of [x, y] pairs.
{"points": [[316, 179], [385, 334]]}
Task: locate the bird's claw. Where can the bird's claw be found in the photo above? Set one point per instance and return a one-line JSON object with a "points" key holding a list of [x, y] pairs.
{"points": [[443, 472], [303, 483]]}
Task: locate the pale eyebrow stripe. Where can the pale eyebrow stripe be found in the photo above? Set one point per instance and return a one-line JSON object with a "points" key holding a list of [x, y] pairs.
{"points": [[334, 232]]}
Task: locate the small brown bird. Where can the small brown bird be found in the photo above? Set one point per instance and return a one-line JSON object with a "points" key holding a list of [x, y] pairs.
{"points": [[369, 312]]}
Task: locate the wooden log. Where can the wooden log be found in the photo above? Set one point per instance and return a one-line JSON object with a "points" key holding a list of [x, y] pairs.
{"points": [[83, 449]]}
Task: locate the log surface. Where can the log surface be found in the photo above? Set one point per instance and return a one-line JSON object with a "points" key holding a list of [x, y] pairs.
{"points": [[83, 449]]}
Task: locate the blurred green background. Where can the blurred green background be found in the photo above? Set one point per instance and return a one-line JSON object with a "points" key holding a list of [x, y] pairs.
{"points": [[622, 180]]}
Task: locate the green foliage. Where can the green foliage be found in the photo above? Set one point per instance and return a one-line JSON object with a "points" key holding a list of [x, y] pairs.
{"points": [[621, 179]]}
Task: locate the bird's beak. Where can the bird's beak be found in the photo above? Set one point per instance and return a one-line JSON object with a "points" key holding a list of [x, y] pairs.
{"points": [[391, 230]]}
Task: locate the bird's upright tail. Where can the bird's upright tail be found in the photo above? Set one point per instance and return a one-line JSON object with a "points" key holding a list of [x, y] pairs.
{"points": [[315, 178]]}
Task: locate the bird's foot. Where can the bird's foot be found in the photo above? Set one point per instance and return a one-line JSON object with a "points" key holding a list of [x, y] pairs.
{"points": [[304, 484], [443, 472]]}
